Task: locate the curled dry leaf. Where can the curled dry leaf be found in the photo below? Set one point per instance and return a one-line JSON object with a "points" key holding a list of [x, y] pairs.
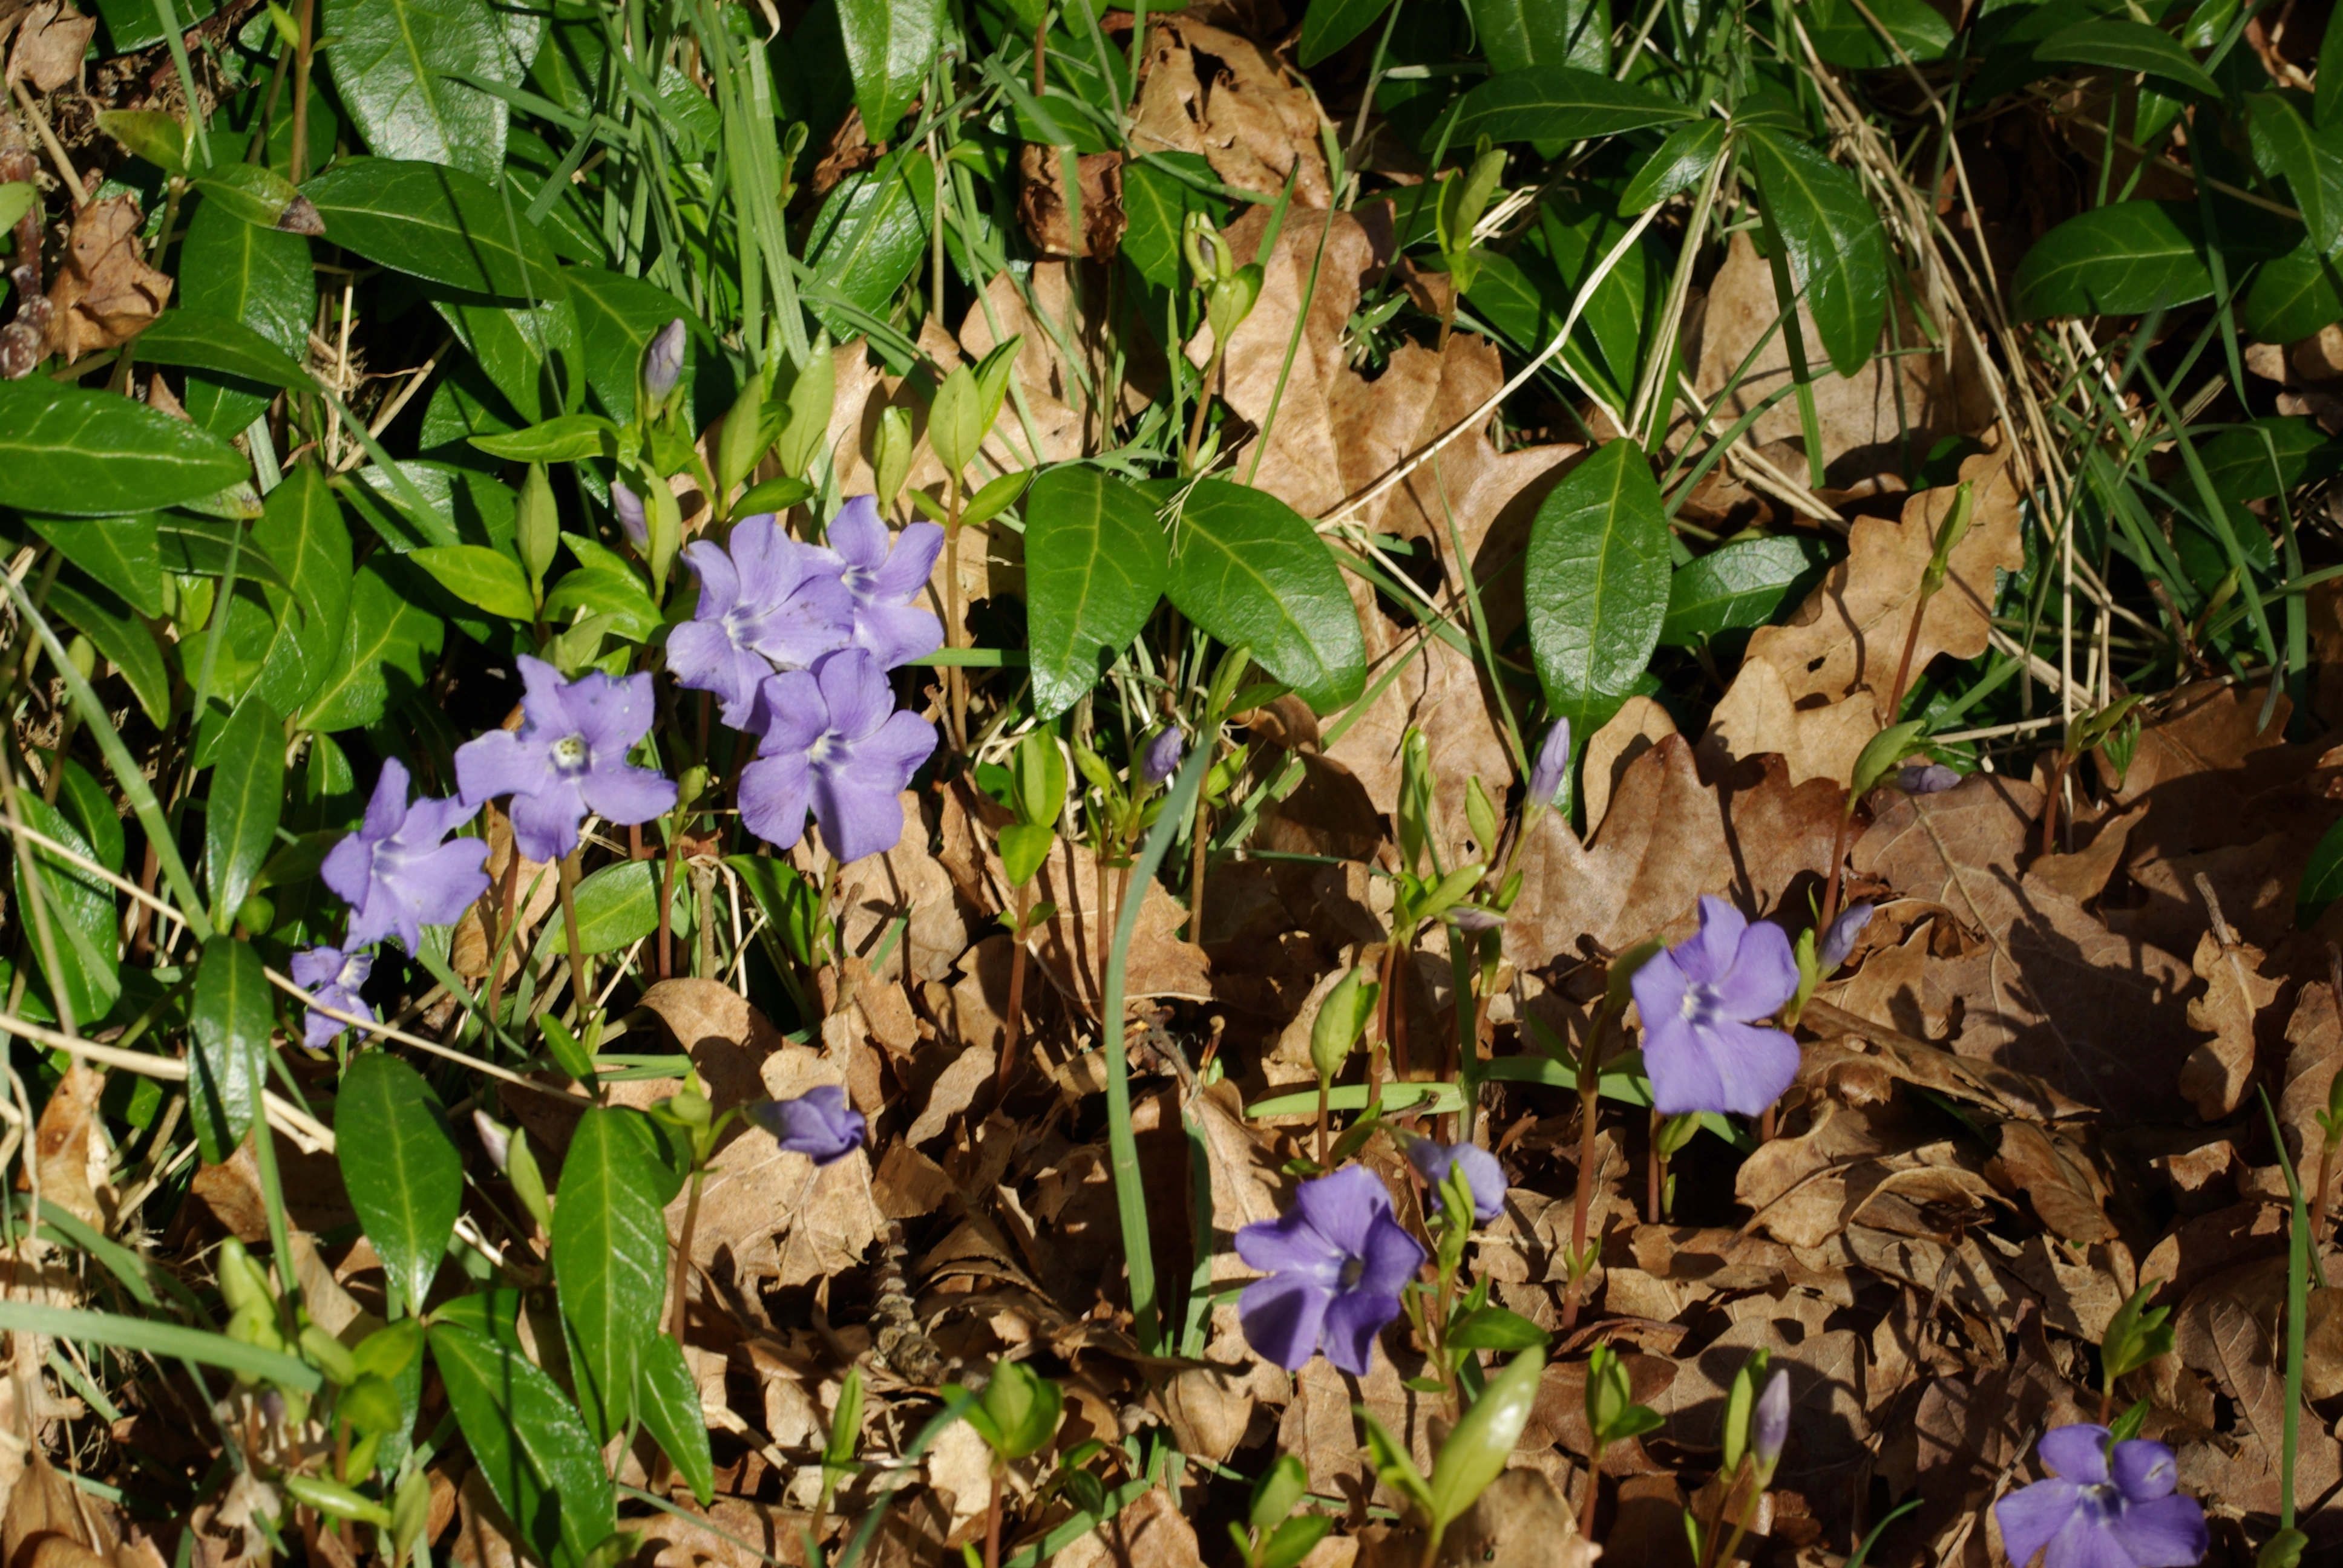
{"points": [[1048, 216], [69, 1149], [105, 294], [1223, 97], [51, 41], [2213, 1077]]}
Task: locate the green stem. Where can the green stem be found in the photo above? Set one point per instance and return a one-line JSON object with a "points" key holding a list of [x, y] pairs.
{"points": [[581, 975]]}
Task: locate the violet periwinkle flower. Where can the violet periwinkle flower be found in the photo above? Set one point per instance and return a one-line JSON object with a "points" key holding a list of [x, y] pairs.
{"points": [[834, 744], [395, 873], [663, 360], [765, 603], [1336, 1264], [2100, 1510], [817, 1125], [333, 977], [1550, 774], [628, 507], [1160, 758], [883, 574], [1839, 939], [1703, 1049], [1769, 1423], [1433, 1159], [1474, 919], [1926, 778], [568, 758]]}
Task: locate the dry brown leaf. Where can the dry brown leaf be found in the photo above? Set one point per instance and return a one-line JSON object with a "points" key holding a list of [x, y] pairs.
{"points": [[1638, 726], [1222, 96], [2314, 1039], [70, 1149], [2083, 874], [734, 1532], [2228, 1327], [537, 891], [1321, 1429], [2067, 1190], [105, 294], [1150, 1532], [51, 42], [1821, 742], [2192, 766], [953, 1090], [2213, 1077], [1043, 208]]}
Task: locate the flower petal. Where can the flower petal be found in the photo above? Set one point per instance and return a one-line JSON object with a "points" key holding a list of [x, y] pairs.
{"points": [[2077, 1453], [774, 794], [2162, 1532], [442, 883], [500, 763], [911, 565], [766, 560], [1763, 977], [543, 703], [628, 795], [1282, 1316], [545, 825], [1287, 1245], [1343, 1207], [346, 867], [612, 714], [2146, 1471], [857, 535], [896, 750], [720, 584], [791, 714], [896, 634], [1391, 1258], [1726, 1067], [854, 691], [1708, 954], [2030, 1516], [387, 807], [1353, 1320], [430, 821], [1659, 988], [859, 815]]}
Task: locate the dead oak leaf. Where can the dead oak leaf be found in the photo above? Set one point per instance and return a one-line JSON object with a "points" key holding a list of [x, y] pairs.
{"points": [[1821, 741], [1222, 96], [51, 43], [2213, 1077], [1049, 216], [105, 294], [2193, 765]]}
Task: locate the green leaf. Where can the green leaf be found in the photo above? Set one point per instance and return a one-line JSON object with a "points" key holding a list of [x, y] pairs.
{"points": [[17, 198], [385, 650], [1331, 24], [81, 963], [242, 807], [564, 438], [1252, 573], [260, 196], [2313, 169], [434, 223], [81, 454], [2122, 44], [2239, 460], [1483, 1438], [2294, 296], [1597, 580], [1744, 584], [1095, 565], [598, 590], [1518, 34], [541, 1466], [2322, 878], [1394, 1462], [126, 641], [259, 277], [301, 529], [208, 341], [2326, 106], [200, 546], [160, 138], [120, 552], [610, 1256], [1683, 161], [392, 61], [1494, 1328], [617, 315], [870, 235], [890, 44], [2116, 260], [160, 1338], [1837, 250], [617, 905], [230, 1020], [1843, 37], [1156, 204], [524, 351], [479, 576], [1548, 104], [672, 1412], [400, 1163]]}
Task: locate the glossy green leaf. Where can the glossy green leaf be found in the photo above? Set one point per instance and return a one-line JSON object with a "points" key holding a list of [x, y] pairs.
{"points": [[870, 235], [1743, 583], [2293, 296], [2322, 878], [259, 277], [1095, 566], [1518, 34], [1494, 1328], [400, 1163], [302, 530], [393, 61], [1837, 250], [242, 807], [123, 553], [1522, 298], [1477, 1448], [440, 224], [386, 648], [1596, 582], [671, 1411], [610, 1259], [1328, 25], [230, 1018], [81, 963], [528, 353], [541, 1465], [618, 905], [209, 341], [1843, 35], [479, 576], [890, 44], [125, 641], [2326, 106], [1558, 104], [1681, 162], [83, 454], [466, 505], [258, 196], [1156, 204], [617, 315], [2115, 260], [2269, 456], [202, 546], [2312, 164], [1252, 573], [2120, 43], [597, 590], [564, 438]]}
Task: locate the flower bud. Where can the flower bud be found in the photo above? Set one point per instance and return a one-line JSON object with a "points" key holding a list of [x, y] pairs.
{"points": [[1927, 779], [1549, 783], [1160, 758], [663, 360], [1769, 1426], [1839, 940], [494, 1139], [629, 507], [1342, 1019]]}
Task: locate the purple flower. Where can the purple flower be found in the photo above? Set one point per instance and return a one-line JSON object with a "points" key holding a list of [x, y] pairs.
{"points": [[1550, 774], [1160, 758], [1474, 918], [1839, 940], [883, 575], [395, 874], [2095, 1514], [833, 742], [1926, 778], [629, 509], [663, 360], [333, 977], [765, 603], [1703, 1048], [568, 758], [819, 1123], [1433, 1159], [1769, 1424], [1336, 1264]]}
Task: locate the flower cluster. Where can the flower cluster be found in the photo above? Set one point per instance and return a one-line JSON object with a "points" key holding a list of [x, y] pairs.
{"points": [[794, 641]]}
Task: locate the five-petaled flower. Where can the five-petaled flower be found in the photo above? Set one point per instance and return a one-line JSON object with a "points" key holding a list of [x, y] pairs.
{"points": [[1433, 1159], [1335, 1264], [2102, 1509], [1703, 1048], [568, 758], [395, 874], [765, 603], [332, 977], [817, 1125], [834, 743], [883, 575]]}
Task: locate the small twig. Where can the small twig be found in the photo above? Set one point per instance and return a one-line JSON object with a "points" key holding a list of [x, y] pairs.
{"points": [[73, 185]]}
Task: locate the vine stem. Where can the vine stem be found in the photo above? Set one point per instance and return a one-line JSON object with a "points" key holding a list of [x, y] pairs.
{"points": [[1590, 1078], [1008, 1027], [581, 974]]}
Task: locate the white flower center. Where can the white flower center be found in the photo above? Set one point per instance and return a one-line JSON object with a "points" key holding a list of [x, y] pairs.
{"points": [[569, 754], [824, 748], [1700, 1006]]}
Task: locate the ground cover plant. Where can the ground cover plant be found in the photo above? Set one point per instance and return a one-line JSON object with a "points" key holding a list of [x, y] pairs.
{"points": [[1427, 781]]}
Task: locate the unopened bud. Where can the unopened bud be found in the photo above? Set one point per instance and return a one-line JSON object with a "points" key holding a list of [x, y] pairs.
{"points": [[1769, 1426], [629, 507], [663, 360], [1549, 783], [494, 1139]]}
